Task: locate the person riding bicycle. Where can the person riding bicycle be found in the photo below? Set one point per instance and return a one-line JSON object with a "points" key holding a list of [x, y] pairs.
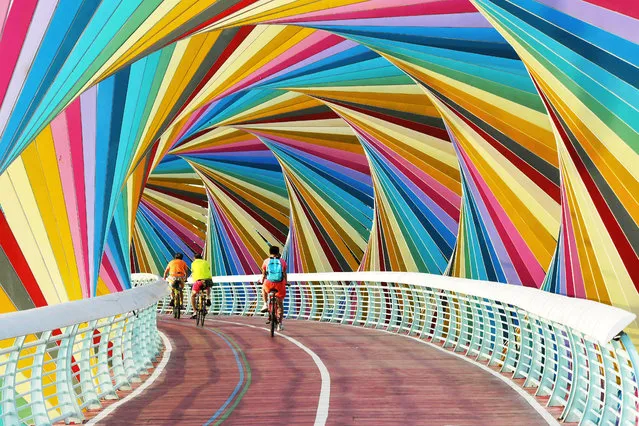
{"points": [[176, 272], [274, 277], [201, 274]]}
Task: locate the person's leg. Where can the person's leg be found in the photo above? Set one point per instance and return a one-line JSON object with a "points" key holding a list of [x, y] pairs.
{"points": [[264, 298], [181, 294], [193, 293], [280, 309]]}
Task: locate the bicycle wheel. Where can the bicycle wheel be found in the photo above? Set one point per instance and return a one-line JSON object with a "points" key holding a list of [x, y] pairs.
{"points": [[178, 306], [174, 299], [273, 316]]}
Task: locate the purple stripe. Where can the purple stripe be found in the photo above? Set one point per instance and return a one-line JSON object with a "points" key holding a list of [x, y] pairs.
{"points": [[88, 110], [334, 50], [608, 20], [452, 20]]}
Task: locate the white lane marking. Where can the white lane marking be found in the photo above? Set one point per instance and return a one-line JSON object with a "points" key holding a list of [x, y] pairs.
{"points": [[529, 398], [325, 390], [148, 382]]}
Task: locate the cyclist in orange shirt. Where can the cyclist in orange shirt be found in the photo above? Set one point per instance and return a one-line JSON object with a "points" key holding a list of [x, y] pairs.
{"points": [[176, 271]]}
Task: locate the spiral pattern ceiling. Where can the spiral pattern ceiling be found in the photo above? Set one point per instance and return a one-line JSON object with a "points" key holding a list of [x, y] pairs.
{"points": [[486, 139]]}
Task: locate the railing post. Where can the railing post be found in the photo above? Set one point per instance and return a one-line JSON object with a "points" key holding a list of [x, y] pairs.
{"points": [[592, 413], [38, 406], [359, 303], [565, 354], [105, 383], [129, 357], [487, 345], [64, 380], [629, 379], [90, 396], [513, 351], [9, 402], [611, 407], [454, 321], [119, 373], [574, 409]]}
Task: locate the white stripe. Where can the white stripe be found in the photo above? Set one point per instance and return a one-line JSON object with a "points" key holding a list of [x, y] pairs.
{"points": [[158, 370], [529, 398], [325, 390]]}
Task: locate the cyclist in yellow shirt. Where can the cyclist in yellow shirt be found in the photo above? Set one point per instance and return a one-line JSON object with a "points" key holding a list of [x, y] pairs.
{"points": [[201, 274]]}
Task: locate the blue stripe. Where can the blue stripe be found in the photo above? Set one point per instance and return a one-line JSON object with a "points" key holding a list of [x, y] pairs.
{"points": [[239, 383]]}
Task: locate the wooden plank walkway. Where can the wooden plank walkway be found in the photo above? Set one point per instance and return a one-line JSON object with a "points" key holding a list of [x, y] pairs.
{"points": [[226, 372]]}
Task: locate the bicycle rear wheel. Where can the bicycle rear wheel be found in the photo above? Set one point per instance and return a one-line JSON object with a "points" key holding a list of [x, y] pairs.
{"points": [[273, 316], [175, 299]]}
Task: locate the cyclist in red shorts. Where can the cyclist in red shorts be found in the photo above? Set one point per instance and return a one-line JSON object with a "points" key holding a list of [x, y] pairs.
{"points": [[274, 277]]}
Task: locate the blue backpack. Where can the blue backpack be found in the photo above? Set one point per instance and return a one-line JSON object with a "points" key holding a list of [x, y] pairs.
{"points": [[274, 270]]}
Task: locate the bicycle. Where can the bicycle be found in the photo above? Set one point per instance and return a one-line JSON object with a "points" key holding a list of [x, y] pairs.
{"points": [[200, 307], [272, 310], [176, 299]]}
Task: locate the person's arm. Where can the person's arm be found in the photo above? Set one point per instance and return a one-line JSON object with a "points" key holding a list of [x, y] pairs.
{"points": [[285, 274], [166, 272]]}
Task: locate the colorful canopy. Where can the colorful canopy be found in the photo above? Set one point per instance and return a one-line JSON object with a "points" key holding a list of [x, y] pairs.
{"points": [[487, 139]]}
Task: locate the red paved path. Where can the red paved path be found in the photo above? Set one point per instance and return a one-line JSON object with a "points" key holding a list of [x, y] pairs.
{"points": [[376, 378]]}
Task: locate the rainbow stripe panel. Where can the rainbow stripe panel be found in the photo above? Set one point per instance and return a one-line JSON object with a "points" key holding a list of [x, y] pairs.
{"points": [[486, 139]]}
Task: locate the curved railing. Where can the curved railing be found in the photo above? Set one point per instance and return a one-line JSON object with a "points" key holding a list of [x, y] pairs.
{"points": [[59, 360], [572, 352]]}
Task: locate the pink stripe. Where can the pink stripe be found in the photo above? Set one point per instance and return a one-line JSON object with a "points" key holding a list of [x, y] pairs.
{"points": [[443, 191], [424, 186], [181, 230], [249, 145], [88, 112], [65, 166], [108, 273], [451, 20], [576, 277], [4, 10], [187, 126], [74, 123], [352, 160], [309, 46], [511, 232], [13, 38], [237, 242], [331, 51], [378, 8], [32, 41]]}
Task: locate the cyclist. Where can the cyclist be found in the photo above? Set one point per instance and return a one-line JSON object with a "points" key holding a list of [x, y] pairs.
{"points": [[201, 274], [176, 272], [274, 277]]}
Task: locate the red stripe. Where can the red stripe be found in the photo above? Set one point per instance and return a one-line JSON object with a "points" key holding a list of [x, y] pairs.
{"points": [[227, 12], [230, 48], [546, 185], [627, 7], [19, 263]]}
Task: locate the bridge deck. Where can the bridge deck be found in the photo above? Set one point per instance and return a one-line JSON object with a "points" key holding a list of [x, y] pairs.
{"points": [[232, 372]]}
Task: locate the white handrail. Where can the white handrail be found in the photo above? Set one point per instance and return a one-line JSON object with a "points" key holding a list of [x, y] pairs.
{"points": [[58, 361], [549, 341], [595, 320], [30, 321]]}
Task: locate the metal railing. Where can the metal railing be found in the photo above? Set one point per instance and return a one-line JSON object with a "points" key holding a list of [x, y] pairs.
{"points": [[58, 361], [570, 351]]}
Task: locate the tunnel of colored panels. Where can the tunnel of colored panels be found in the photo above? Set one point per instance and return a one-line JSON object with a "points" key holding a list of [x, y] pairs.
{"points": [[495, 140]]}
